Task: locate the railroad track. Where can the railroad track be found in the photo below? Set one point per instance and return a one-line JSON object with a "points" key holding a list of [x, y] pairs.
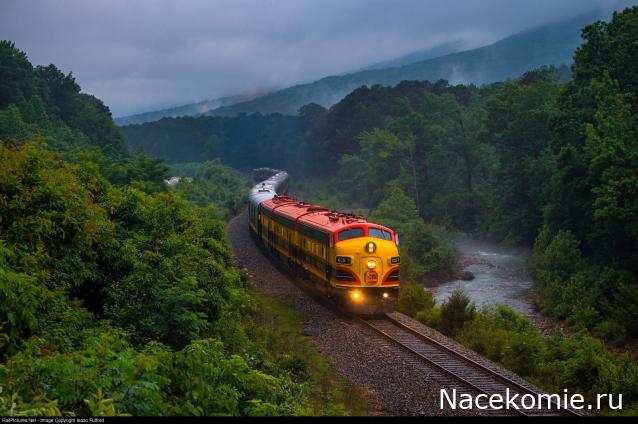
{"points": [[468, 376]]}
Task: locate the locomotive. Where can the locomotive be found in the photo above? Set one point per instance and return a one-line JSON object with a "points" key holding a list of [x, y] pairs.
{"points": [[349, 258]]}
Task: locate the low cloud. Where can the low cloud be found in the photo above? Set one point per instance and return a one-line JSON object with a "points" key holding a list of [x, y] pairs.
{"points": [[144, 55]]}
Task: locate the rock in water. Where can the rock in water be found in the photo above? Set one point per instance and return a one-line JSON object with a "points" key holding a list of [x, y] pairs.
{"points": [[466, 276]]}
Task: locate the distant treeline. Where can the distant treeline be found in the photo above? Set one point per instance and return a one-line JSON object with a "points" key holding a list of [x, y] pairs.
{"points": [[241, 142], [248, 141]]}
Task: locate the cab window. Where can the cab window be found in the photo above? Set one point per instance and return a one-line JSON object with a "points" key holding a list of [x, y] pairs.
{"points": [[380, 234], [350, 234]]}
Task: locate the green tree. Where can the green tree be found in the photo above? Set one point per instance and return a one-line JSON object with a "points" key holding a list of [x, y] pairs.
{"points": [[456, 311], [611, 152], [518, 125], [423, 249], [604, 79], [63, 91], [17, 82]]}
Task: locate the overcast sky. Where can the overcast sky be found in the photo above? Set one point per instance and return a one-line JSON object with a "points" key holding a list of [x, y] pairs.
{"points": [[144, 55]]}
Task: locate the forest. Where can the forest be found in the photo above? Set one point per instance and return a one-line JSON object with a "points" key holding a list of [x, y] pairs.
{"points": [[535, 161], [119, 296], [531, 162]]}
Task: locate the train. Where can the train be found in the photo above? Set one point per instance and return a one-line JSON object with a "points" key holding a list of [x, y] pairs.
{"points": [[349, 259]]}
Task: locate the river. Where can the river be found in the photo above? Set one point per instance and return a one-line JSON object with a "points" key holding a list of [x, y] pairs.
{"points": [[499, 276]]}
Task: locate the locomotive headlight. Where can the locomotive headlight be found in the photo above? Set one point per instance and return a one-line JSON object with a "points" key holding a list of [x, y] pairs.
{"points": [[371, 247], [356, 296], [371, 264], [385, 295]]}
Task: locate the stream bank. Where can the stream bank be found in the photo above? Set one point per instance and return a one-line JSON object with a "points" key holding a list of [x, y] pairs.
{"points": [[499, 278]]}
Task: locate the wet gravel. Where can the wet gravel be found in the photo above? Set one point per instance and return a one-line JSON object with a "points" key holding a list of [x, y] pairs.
{"points": [[380, 371]]}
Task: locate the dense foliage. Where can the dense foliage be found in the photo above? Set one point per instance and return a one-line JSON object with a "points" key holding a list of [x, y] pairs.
{"points": [[577, 363], [209, 182], [592, 296], [78, 251], [591, 211], [242, 142], [118, 296], [424, 248], [46, 102]]}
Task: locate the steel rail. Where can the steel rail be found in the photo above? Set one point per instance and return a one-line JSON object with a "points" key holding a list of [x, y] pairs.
{"points": [[501, 380]]}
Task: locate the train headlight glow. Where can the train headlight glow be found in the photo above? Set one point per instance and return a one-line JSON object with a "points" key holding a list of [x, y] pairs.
{"points": [[371, 264], [385, 295], [356, 296], [371, 247]]}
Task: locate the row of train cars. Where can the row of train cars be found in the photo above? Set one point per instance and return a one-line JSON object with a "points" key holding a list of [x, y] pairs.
{"points": [[349, 259]]}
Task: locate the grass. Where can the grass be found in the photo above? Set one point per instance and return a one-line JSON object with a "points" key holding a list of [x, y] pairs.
{"points": [[278, 327]]}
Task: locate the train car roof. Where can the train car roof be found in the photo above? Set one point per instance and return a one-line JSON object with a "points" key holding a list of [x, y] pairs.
{"points": [[313, 215], [267, 188]]}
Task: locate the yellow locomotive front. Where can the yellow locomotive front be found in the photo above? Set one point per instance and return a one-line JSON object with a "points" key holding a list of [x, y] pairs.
{"points": [[366, 262]]}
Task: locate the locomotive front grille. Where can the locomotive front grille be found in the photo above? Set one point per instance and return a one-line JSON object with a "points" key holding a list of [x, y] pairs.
{"points": [[394, 276], [344, 276]]}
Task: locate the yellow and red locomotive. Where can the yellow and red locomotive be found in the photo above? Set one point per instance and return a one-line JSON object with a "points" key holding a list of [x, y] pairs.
{"points": [[349, 257]]}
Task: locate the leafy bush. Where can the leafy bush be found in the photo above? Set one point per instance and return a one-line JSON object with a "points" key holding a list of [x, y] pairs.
{"points": [[49, 217], [180, 256], [414, 298], [586, 296], [554, 257], [612, 331], [456, 311], [22, 302], [580, 363], [103, 360], [431, 317], [211, 383], [39, 406]]}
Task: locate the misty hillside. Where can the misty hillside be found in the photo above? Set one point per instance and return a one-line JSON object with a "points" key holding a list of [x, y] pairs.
{"points": [[552, 44], [509, 58], [420, 55], [185, 110]]}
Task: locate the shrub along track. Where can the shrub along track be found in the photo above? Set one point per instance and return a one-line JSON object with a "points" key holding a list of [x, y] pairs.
{"points": [[391, 379]]}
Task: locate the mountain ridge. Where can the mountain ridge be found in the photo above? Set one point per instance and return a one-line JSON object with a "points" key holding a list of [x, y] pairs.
{"points": [[510, 57], [506, 59], [188, 109]]}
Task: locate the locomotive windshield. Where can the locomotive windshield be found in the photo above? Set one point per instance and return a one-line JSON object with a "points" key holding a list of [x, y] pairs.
{"points": [[350, 234], [379, 233]]}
